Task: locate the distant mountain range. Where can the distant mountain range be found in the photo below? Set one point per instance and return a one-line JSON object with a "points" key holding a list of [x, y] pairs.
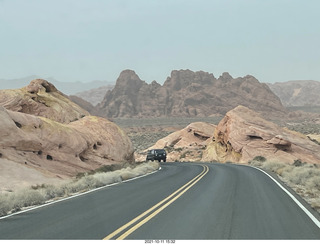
{"points": [[180, 94], [67, 88], [297, 93], [95, 95]]}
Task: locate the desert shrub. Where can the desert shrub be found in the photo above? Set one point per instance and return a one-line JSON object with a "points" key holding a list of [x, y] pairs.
{"points": [[81, 174], [304, 178], [36, 187], [255, 163], [184, 154], [315, 203], [5, 204], [22, 198], [297, 163], [260, 159], [127, 174], [314, 182], [302, 175], [273, 166], [107, 178], [31, 197], [108, 168], [51, 192]]}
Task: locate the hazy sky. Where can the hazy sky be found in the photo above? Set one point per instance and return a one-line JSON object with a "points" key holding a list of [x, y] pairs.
{"points": [[85, 40]]}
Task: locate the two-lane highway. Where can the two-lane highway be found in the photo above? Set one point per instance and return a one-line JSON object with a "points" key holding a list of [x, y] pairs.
{"points": [[181, 201]]}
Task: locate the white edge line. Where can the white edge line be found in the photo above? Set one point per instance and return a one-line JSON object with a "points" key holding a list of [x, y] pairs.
{"points": [[310, 215], [77, 195]]}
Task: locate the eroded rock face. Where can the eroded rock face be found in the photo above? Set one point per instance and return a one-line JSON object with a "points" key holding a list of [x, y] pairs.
{"points": [[187, 94], [51, 150], [44, 137], [41, 98], [242, 135]]}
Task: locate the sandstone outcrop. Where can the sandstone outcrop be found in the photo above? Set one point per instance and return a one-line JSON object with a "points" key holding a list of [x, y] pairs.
{"points": [[58, 151], [187, 94], [186, 144], [242, 135], [45, 138], [41, 98]]}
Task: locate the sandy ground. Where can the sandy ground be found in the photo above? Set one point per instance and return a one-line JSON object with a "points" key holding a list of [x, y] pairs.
{"points": [[19, 176]]}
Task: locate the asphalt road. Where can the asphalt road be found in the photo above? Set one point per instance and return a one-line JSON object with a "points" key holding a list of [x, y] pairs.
{"points": [[181, 201]]}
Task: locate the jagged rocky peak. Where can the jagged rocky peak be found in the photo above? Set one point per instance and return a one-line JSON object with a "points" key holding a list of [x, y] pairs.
{"points": [[182, 78], [155, 84], [251, 79], [128, 79], [187, 93], [225, 77]]}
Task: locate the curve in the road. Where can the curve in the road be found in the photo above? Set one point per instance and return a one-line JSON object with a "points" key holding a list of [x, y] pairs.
{"points": [[310, 215], [181, 201]]}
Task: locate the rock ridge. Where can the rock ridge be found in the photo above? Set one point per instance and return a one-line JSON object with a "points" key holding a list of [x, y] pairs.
{"points": [[187, 94]]}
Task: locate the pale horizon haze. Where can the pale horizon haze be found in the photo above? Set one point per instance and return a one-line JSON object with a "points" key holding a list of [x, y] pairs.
{"points": [[82, 40]]}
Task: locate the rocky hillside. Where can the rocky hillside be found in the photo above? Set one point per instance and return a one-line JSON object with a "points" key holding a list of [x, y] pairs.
{"points": [[243, 135], [297, 93], [44, 138], [187, 94]]}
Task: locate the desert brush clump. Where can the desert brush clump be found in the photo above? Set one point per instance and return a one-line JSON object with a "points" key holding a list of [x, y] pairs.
{"points": [[302, 177], [11, 202]]}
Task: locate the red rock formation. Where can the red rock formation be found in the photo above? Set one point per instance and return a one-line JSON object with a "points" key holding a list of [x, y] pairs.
{"points": [[187, 93], [38, 145], [59, 151], [242, 135]]}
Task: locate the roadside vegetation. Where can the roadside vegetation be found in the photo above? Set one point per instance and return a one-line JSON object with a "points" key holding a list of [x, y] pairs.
{"points": [[302, 177], [11, 202]]}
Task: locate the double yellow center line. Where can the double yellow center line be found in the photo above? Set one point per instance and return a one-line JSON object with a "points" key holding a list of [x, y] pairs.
{"points": [[137, 222]]}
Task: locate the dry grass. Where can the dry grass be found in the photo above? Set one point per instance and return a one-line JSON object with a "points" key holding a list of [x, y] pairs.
{"points": [[303, 178], [15, 201]]}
